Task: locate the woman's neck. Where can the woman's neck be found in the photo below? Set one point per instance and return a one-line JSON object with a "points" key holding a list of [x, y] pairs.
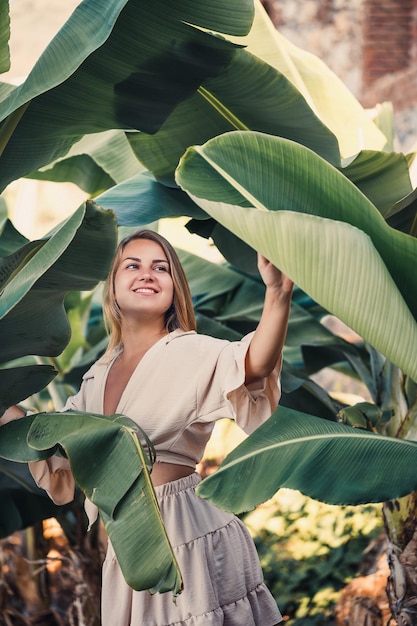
{"points": [[138, 340]]}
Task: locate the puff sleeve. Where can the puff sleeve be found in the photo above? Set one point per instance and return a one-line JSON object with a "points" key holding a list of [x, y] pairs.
{"points": [[249, 405]]}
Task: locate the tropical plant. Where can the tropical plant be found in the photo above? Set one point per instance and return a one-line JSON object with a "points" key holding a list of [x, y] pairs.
{"points": [[282, 168]]}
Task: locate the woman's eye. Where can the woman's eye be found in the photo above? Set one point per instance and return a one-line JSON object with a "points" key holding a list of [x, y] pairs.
{"points": [[161, 268]]}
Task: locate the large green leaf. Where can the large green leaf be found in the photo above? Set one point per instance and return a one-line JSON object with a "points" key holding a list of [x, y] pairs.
{"points": [[37, 276], [125, 67], [52, 263], [142, 200], [301, 393], [95, 163], [36, 325], [248, 95], [10, 238], [327, 461], [403, 214], [123, 492], [17, 383], [383, 177], [319, 229]]}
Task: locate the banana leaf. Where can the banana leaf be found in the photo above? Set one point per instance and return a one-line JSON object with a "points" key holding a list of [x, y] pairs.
{"points": [[402, 214], [123, 492], [383, 177], [36, 277], [247, 95], [301, 393], [327, 461], [52, 263], [141, 200], [317, 227], [125, 67], [10, 238], [17, 383], [95, 163]]}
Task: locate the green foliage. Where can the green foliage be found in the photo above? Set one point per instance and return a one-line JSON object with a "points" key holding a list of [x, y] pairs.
{"points": [[136, 532], [309, 551], [327, 222], [35, 277], [323, 459], [132, 62], [159, 78]]}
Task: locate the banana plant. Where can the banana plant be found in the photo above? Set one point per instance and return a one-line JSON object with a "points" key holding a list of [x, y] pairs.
{"points": [[132, 67], [156, 99]]}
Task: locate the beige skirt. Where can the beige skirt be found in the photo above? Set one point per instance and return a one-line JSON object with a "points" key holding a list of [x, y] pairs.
{"points": [[223, 581]]}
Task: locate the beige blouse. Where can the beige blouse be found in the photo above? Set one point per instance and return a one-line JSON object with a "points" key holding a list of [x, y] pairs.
{"points": [[182, 385]]}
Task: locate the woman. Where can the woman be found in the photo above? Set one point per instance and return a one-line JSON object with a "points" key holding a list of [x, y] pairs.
{"points": [[176, 383]]}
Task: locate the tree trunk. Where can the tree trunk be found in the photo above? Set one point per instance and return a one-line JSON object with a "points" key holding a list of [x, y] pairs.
{"points": [[387, 594], [400, 518], [364, 601]]}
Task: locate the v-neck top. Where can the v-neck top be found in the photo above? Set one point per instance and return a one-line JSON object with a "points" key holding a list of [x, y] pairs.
{"points": [[181, 386]]}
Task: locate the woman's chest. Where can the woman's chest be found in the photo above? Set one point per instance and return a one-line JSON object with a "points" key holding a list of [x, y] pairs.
{"points": [[115, 383]]}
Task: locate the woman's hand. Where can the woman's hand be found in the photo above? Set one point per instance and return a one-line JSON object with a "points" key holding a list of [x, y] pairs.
{"points": [[12, 413], [273, 277]]}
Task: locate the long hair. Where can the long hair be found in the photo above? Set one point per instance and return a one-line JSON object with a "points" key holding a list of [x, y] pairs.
{"points": [[179, 315]]}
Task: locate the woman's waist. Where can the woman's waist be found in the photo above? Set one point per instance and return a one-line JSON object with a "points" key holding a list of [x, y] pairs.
{"points": [[163, 472]]}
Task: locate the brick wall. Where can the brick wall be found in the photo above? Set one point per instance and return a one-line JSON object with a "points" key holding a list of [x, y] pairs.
{"points": [[387, 33], [390, 63]]}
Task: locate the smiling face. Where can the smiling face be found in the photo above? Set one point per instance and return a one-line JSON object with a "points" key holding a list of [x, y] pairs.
{"points": [[143, 284]]}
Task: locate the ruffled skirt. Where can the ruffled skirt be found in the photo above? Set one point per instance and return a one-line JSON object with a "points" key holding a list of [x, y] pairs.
{"points": [[223, 581]]}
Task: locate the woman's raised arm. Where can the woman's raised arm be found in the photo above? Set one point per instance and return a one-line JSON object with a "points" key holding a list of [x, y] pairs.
{"points": [[269, 338]]}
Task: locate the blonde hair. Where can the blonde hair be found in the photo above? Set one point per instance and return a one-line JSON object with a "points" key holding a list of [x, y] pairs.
{"points": [[179, 315]]}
